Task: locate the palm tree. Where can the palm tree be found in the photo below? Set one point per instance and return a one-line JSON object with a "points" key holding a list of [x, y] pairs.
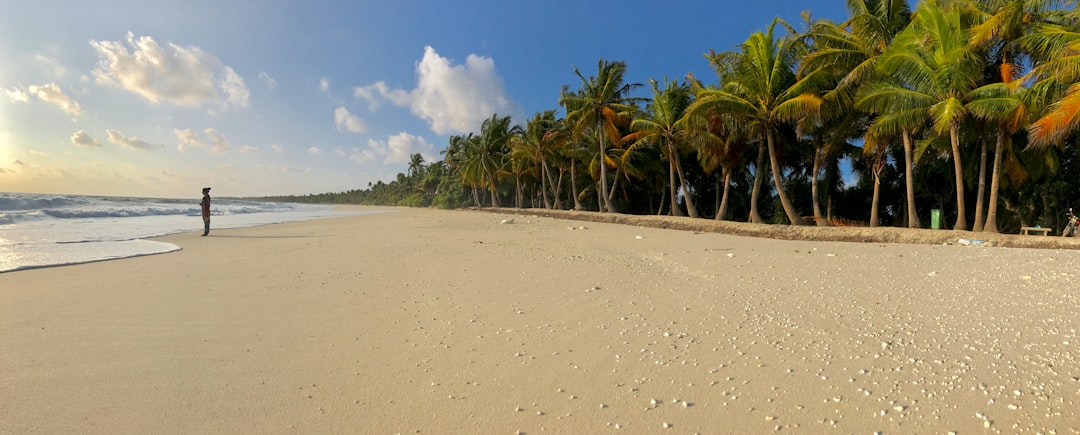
{"points": [[850, 52], [594, 107], [1056, 48], [721, 142], [1009, 106], [764, 90], [536, 146], [665, 124], [937, 68], [485, 154]]}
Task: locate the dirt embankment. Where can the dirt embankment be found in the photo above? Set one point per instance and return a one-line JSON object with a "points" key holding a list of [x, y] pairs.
{"points": [[808, 232]]}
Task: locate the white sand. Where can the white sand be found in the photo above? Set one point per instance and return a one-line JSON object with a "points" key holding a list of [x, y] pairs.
{"points": [[451, 322]]}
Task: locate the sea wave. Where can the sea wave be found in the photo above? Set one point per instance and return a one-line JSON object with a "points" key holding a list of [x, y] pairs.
{"points": [[20, 203], [118, 213]]}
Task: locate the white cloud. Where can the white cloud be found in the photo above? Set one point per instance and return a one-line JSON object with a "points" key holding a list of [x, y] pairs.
{"points": [[248, 149], [267, 80], [188, 138], [218, 144], [236, 92], [315, 151], [452, 98], [134, 143], [339, 151], [396, 149], [83, 138], [49, 93], [397, 96], [53, 94], [277, 148], [17, 95], [182, 75], [346, 121], [324, 84]]}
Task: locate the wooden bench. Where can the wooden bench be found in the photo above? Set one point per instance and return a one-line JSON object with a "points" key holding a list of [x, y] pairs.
{"points": [[1028, 230]]}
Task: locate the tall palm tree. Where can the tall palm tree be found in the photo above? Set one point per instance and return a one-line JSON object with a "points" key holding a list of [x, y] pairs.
{"points": [[665, 124], [594, 107], [764, 89], [720, 143], [536, 146], [1009, 106], [459, 151], [850, 52], [485, 155], [937, 68]]}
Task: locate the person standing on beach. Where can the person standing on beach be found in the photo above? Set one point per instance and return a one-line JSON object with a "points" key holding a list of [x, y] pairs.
{"points": [[205, 210]]}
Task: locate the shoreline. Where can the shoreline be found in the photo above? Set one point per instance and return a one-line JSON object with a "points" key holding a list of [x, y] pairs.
{"points": [[452, 321]]}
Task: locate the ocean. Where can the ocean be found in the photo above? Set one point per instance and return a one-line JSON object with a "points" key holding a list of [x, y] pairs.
{"points": [[42, 230]]}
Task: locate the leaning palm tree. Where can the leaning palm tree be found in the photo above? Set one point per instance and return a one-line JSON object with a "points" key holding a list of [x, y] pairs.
{"points": [[764, 90], [665, 124], [936, 68], [593, 108]]}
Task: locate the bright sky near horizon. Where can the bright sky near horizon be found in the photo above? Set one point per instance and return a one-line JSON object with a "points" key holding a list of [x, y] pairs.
{"points": [[161, 98]]}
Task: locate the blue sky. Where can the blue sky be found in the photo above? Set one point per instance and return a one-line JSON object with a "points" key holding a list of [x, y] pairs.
{"points": [[155, 98]]}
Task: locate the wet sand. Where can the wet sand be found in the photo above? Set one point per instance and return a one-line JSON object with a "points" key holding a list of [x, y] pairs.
{"points": [[428, 321]]}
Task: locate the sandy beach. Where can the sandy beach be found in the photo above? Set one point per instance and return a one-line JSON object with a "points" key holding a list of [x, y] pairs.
{"points": [[430, 321]]}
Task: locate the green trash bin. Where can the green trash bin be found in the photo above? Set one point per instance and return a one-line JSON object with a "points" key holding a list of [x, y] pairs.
{"points": [[935, 219]]}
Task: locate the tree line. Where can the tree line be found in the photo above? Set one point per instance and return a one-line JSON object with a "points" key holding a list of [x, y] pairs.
{"points": [[961, 111]]}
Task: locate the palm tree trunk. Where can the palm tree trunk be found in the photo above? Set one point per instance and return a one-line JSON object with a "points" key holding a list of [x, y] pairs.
{"points": [[721, 212], [759, 178], [675, 209], [774, 166], [476, 197], [961, 217], [494, 191], [981, 191], [558, 189], [913, 216], [573, 185], [604, 205], [877, 197], [660, 208], [611, 195], [517, 190], [814, 189], [690, 207], [544, 176], [995, 177], [716, 195]]}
